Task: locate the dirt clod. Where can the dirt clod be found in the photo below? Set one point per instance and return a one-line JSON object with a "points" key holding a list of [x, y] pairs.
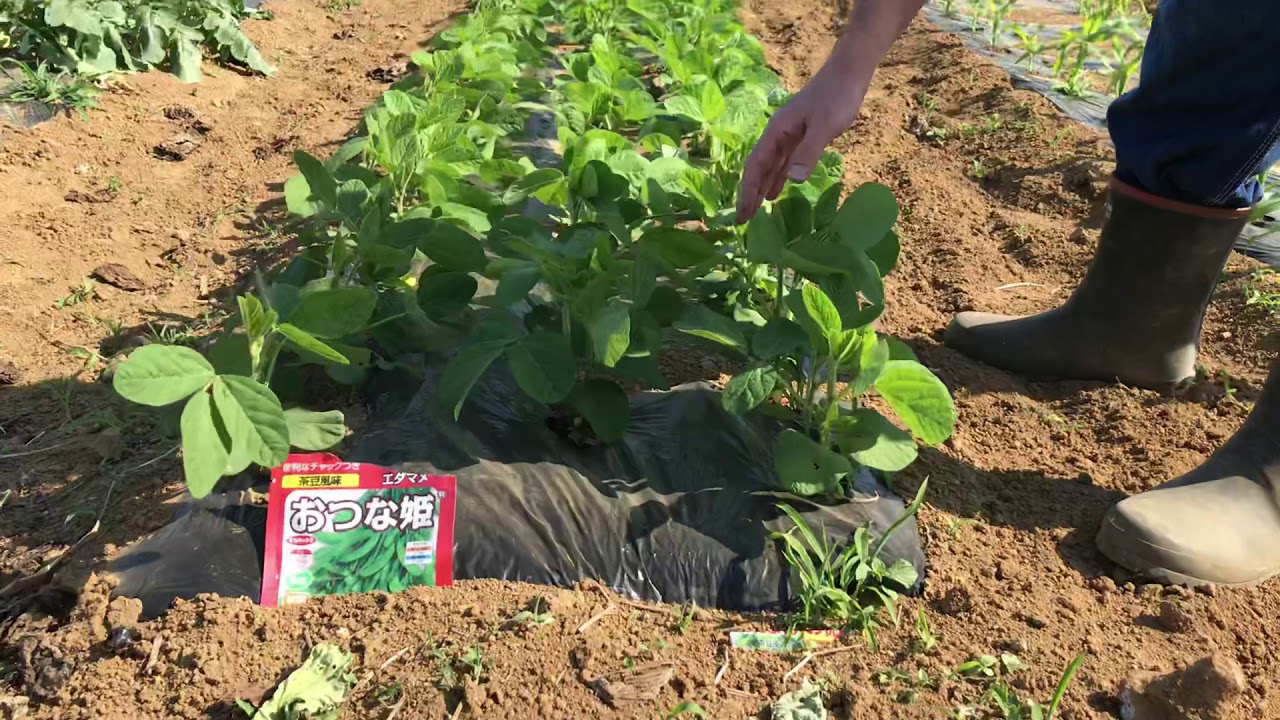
{"points": [[9, 373], [1174, 618], [177, 148], [117, 275], [44, 667], [1205, 690]]}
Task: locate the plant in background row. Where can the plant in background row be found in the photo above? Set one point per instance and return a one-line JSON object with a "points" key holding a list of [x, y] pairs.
{"points": [[95, 37]]}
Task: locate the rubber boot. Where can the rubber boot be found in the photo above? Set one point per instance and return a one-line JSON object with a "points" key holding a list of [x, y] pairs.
{"points": [[1219, 523], [1136, 315]]}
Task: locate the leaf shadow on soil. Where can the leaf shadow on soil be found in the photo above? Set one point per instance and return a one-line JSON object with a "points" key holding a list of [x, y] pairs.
{"points": [[73, 454]]}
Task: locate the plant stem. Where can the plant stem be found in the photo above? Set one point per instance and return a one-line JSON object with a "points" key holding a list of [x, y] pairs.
{"points": [[780, 309]]}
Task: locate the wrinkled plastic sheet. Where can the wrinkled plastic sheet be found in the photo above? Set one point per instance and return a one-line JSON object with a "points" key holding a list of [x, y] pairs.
{"points": [[1260, 240], [677, 511]]}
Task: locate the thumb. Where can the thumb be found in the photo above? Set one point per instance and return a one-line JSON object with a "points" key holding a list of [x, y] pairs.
{"points": [[807, 154]]}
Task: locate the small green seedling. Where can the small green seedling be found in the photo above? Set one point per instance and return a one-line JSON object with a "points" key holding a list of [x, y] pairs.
{"points": [[536, 616], [686, 618], [688, 708], [980, 669], [925, 641], [475, 661], [847, 587]]}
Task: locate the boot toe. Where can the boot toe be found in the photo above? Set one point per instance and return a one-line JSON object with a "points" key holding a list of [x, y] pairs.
{"points": [[1209, 533], [971, 332]]}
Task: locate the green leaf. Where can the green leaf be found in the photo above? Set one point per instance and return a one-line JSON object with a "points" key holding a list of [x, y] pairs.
{"points": [[747, 390], [685, 106], [547, 184], [204, 454], [873, 355], [796, 214], [866, 216], [713, 105], [253, 418], [331, 313], [465, 368], [779, 337], [823, 313], [310, 430], [544, 366], [766, 238], [919, 398], [454, 248], [824, 212], [516, 284], [665, 305], [159, 375], [885, 253], [299, 199], [704, 322], [309, 342], [644, 279], [604, 406], [899, 350], [444, 295], [185, 57], [680, 248], [806, 468], [610, 330], [866, 278], [322, 185], [873, 441]]}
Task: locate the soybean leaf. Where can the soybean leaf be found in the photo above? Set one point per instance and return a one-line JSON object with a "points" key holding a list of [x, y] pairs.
{"points": [[307, 341], [748, 389], [516, 284], [823, 313], [702, 321], [680, 248], [331, 313], [779, 337], [824, 212], [869, 363], [320, 182], [610, 330], [454, 248], [253, 418], [543, 366], [665, 305], [310, 430], [443, 295], [465, 368], [873, 441], [885, 253], [766, 238], [919, 398], [644, 278], [806, 468], [866, 278], [547, 184], [866, 216], [604, 406], [185, 56], [204, 453], [159, 375], [796, 214], [898, 350]]}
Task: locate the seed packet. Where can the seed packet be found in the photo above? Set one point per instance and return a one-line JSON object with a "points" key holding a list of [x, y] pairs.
{"points": [[782, 642], [337, 527]]}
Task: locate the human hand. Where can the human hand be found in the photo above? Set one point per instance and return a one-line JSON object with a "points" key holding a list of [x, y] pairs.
{"points": [[797, 134]]}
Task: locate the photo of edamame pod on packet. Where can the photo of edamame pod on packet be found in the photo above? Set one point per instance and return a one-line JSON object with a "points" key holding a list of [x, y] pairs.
{"points": [[336, 527]]}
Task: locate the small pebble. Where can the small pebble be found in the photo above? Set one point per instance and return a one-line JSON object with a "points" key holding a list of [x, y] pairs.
{"points": [[1174, 618]]}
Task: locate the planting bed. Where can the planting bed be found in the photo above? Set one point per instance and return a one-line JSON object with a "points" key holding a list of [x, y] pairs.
{"points": [[1014, 496]]}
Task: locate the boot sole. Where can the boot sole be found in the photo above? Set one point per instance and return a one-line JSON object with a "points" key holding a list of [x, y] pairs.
{"points": [[1113, 539]]}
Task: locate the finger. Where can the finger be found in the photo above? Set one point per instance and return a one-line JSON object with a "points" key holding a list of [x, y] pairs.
{"points": [[767, 159], [806, 155]]}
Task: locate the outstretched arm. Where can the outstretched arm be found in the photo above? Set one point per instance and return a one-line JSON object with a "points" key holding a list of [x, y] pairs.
{"points": [[793, 142]]}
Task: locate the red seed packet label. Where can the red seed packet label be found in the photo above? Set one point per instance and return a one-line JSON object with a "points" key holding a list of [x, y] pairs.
{"points": [[336, 527]]}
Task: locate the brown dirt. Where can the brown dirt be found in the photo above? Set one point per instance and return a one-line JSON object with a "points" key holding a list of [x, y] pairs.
{"points": [[1015, 497]]}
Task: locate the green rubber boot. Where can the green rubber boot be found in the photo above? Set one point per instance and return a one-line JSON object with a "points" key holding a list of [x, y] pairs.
{"points": [[1219, 523], [1135, 318]]}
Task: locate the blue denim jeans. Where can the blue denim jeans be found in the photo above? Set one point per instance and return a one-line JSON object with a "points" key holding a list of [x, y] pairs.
{"points": [[1205, 117]]}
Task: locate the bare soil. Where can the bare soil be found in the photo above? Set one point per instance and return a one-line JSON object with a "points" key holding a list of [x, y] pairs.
{"points": [[1015, 497]]}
